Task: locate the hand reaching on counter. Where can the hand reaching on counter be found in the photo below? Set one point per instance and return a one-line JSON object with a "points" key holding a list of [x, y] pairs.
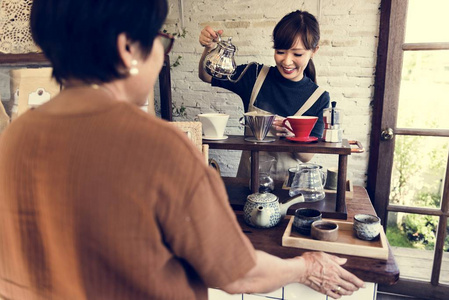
{"points": [[324, 274], [317, 270]]}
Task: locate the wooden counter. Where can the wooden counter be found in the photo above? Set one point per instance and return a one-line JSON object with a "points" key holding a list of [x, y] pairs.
{"points": [[370, 270]]}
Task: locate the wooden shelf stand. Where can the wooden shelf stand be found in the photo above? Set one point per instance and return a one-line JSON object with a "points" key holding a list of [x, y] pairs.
{"points": [[343, 149]]}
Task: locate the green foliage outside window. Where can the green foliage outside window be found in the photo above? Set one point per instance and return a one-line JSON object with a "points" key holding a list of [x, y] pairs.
{"points": [[412, 156]]}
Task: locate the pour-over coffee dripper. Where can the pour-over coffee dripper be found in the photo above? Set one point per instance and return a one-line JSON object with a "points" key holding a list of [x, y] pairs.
{"points": [[259, 124]]}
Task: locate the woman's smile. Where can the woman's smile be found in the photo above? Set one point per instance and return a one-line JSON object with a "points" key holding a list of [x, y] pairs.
{"points": [[288, 70]]}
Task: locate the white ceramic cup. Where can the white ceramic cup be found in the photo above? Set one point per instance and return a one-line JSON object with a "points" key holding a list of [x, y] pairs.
{"points": [[214, 124]]}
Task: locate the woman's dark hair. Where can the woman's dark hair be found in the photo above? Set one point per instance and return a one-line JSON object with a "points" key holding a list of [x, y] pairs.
{"points": [[294, 25], [79, 37]]}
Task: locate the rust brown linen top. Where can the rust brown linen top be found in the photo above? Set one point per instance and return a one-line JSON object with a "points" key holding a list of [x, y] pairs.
{"points": [[99, 200]]}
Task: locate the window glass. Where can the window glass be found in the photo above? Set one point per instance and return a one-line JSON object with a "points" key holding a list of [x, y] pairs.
{"points": [[427, 21], [412, 238], [419, 167], [424, 90]]}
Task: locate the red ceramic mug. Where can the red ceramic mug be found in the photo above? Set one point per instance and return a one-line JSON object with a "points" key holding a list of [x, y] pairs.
{"points": [[301, 126]]}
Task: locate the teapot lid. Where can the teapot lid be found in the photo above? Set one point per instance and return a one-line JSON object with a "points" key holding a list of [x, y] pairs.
{"points": [[227, 45], [262, 197]]}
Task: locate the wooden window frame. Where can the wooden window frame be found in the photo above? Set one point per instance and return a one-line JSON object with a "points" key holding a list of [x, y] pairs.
{"points": [[389, 67]]}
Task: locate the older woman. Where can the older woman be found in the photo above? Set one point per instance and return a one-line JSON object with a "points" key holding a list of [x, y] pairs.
{"points": [[100, 200]]}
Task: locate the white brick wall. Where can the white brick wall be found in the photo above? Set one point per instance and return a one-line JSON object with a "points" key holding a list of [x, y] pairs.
{"points": [[345, 62]]}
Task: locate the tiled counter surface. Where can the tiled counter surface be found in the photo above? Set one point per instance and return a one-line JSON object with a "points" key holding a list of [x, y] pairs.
{"points": [[295, 292], [372, 271]]}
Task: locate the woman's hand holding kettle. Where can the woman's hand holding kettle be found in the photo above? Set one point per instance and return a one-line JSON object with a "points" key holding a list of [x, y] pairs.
{"points": [[208, 37]]}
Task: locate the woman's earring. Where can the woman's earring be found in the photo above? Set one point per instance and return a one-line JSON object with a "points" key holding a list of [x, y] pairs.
{"points": [[133, 70]]}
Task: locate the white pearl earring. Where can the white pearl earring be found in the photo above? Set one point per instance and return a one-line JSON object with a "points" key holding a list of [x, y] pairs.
{"points": [[133, 70]]}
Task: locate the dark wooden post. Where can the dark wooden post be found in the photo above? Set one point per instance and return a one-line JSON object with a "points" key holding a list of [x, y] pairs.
{"points": [[165, 90]]}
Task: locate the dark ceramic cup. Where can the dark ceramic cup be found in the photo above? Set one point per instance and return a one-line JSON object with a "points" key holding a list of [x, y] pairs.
{"points": [[304, 217]]}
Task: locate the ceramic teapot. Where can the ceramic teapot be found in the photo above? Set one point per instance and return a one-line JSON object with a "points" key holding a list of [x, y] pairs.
{"points": [[263, 210], [220, 63]]}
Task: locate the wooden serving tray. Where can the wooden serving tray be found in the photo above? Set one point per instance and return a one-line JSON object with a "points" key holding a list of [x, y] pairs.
{"points": [[347, 243]]}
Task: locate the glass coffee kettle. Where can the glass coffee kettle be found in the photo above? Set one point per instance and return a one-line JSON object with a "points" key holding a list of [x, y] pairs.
{"points": [[309, 180], [220, 63]]}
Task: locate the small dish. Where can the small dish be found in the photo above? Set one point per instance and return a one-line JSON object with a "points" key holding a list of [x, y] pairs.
{"points": [[308, 139], [215, 138], [324, 231]]}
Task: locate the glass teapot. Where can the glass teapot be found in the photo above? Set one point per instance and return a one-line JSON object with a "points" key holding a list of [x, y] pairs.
{"points": [[309, 180], [220, 63]]}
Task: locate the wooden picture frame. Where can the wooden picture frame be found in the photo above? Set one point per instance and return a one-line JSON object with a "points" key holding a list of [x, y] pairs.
{"points": [[193, 130]]}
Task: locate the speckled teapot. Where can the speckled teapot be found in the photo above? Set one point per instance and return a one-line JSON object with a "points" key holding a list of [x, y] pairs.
{"points": [[263, 210]]}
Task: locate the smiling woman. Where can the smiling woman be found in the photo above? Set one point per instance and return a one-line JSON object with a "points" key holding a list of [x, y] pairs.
{"points": [[287, 89]]}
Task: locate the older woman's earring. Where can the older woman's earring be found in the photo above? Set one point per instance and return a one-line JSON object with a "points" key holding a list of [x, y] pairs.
{"points": [[133, 70]]}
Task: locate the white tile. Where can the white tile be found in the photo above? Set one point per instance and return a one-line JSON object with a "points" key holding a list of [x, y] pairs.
{"points": [[368, 293], [274, 294], [216, 294], [258, 297], [296, 291]]}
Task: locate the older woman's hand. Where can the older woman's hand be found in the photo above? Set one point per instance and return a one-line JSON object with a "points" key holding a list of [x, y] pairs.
{"points": [[208, 37], [281, 130], [325, 275]]}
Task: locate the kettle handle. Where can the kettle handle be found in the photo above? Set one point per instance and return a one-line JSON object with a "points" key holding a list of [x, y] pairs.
{"points": [[323, 178], [243, 72]]}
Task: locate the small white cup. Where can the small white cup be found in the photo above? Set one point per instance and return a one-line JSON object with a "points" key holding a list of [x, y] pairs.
{"points": [[214, 124]]}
